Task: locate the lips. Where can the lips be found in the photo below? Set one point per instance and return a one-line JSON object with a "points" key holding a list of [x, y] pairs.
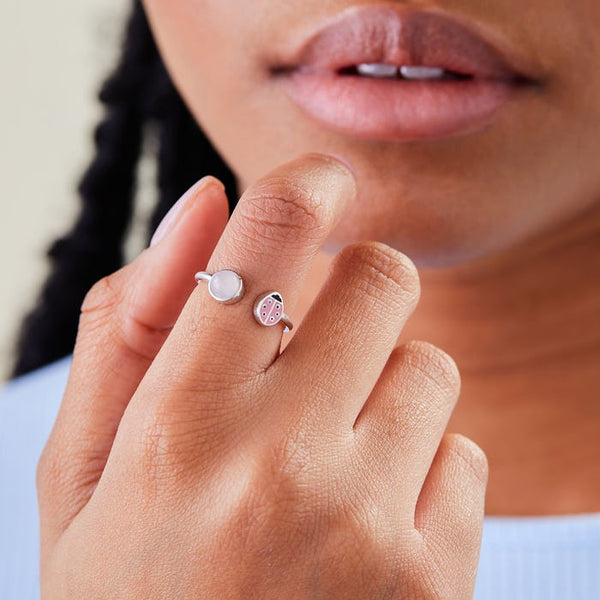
{"points": [[322, 76]]}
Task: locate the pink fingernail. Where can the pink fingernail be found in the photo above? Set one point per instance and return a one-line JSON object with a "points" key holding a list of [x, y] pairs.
{"points": [[343, 160], [172, 217]]}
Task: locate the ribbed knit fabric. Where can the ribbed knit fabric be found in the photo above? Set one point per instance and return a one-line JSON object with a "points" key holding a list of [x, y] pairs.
{"points": [[526, 558], [550, 558]]}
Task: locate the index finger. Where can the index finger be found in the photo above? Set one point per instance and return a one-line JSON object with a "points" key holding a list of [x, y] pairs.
{"points": [[276, 231]]}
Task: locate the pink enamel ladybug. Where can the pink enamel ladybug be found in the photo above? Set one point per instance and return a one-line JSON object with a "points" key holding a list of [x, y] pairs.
{"points": [[268, 309]]}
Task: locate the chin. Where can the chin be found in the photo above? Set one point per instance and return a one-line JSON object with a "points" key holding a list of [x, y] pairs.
{"points": [[424, 256], [429, 246]]}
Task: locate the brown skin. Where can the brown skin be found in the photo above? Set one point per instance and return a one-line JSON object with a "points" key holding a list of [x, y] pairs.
{"points": [[522, 327], [174, 471], [222, 468]]}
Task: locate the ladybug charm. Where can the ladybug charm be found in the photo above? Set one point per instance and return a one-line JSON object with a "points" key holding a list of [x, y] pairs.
{"points": [[268, 309]]}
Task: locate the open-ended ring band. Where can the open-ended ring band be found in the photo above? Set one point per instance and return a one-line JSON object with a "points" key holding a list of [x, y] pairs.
{"points": [[227, 287]]}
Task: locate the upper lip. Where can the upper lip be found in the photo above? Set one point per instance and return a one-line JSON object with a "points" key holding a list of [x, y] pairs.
{"points": [[406, 36]]}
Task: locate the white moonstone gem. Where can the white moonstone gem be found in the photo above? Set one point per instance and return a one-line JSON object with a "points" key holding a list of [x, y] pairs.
{"points": [[225, 286]]}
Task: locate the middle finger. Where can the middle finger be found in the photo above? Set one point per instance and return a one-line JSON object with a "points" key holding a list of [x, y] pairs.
{"points": [[271, 240]]}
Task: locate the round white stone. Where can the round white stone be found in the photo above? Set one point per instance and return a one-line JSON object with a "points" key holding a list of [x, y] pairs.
{"points": [[225, 286]]}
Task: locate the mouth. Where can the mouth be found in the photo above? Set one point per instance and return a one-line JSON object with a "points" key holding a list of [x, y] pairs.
{"points": [[389, 73]]}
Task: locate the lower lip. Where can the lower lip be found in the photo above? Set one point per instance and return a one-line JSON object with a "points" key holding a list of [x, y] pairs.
{"points": [[396, 109]]}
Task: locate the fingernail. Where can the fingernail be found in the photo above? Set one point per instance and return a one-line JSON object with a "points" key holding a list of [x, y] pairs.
{"points": [[343, 160], [171, 219]]}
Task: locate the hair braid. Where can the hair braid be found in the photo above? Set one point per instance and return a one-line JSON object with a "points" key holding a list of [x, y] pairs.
{"points": [[185, 153], [139, 90]]}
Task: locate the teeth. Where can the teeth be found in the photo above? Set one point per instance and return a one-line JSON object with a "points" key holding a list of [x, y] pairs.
{"points": [[377, 70], [393, 72], [421, 72]]}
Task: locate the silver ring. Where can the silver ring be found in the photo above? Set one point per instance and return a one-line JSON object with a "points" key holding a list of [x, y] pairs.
{"points": [[227, 287]]}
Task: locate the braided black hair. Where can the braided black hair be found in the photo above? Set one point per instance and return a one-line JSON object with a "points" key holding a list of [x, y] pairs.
{"points": [[138, 95]]}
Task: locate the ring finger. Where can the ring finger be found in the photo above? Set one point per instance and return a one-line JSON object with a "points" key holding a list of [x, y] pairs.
{"points": [[347, 336]]}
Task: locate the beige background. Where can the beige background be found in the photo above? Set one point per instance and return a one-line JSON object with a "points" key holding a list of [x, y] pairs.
{"points": [[52, 57]]}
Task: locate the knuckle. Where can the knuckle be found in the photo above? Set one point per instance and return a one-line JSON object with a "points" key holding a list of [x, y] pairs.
{"points": [[99, 306], [469, 454], [182, 435], [436, 365], [278, 207], [383, 270], [292, 459], [107, 308], [103, 296], [165, 457], [286, 495]]}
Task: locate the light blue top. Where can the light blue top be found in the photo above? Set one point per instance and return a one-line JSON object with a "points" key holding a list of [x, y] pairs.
{"points": [[523, 558]]}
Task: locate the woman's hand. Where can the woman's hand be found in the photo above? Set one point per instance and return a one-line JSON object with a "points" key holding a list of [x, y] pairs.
{"points": [[190, 459]]}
